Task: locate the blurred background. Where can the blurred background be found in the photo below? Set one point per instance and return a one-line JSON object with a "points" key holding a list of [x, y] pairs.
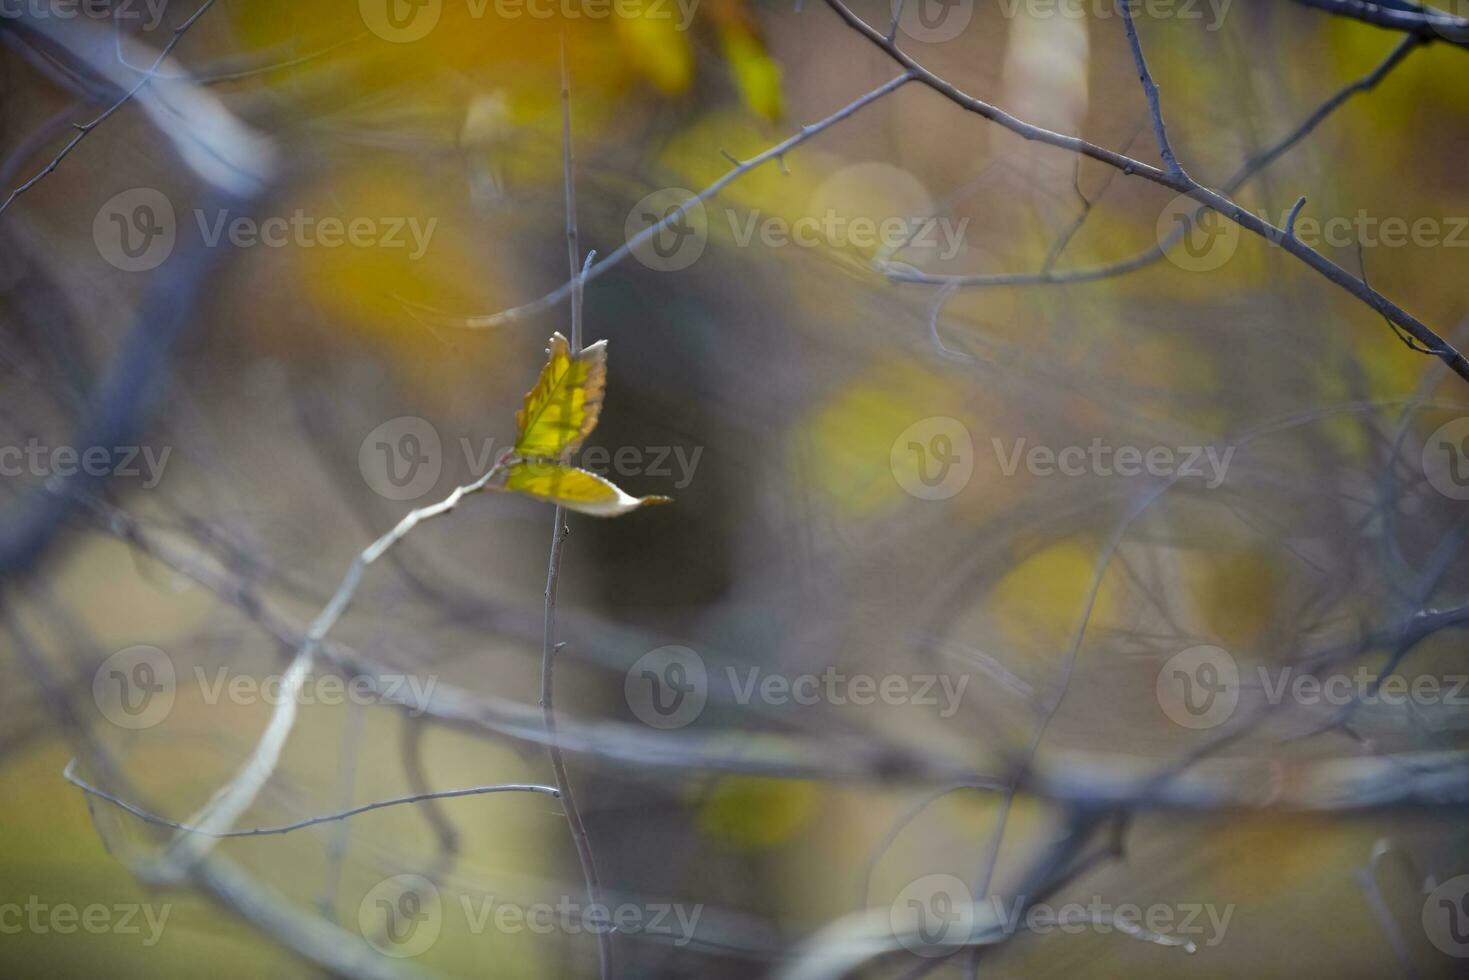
{"points": [[949, 574]]}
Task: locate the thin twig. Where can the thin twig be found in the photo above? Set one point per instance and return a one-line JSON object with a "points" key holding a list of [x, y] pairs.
{"points": [[85, 129], [559, 531], [69, 774], [1091, 780], [1175, 181], [1290, 220], [1250, 168], [233, 798], [1150, 91]]}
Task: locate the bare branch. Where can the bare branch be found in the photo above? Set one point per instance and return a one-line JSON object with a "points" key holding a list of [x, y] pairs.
{"points": [[1424, 23], [1255, 165], [1150, 91], [1178, 182], [69, 774]]}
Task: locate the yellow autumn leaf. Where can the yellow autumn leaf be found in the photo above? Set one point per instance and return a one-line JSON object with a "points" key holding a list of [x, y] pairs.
{"points": [[756, 74], [562, 409], [577, 489], [657, 45]]}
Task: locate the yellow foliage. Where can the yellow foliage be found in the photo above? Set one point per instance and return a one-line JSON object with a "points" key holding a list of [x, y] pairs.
{"points": [[365, 284], [563, 407], [657, 47], [755, 72], [753, 813], [844, 447], [1041, 601], [577, 489]]}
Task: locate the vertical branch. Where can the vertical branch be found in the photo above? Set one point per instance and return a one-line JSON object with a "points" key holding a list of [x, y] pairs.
{"points": [[1150, 89], [573, 250], [559, 531]]}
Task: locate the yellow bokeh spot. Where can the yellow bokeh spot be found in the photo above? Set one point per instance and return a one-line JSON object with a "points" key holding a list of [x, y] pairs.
{"points": [[845, 448], [752, 812], [1040, 603], [756, 73], [1233, 593], [656, 45]]}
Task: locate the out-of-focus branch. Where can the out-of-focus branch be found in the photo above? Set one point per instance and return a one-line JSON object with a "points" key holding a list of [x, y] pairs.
{"points": [[235, 796], [1425, 23], [1086, 780], [217, 877]]}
